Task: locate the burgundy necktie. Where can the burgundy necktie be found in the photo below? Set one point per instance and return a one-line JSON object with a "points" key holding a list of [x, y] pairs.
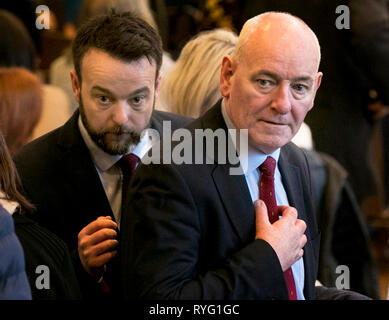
{"points": [[267, 194], [127, 164]]}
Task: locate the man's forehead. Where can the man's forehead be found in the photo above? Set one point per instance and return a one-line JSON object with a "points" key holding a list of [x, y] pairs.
{"points": [[278, 55], [113, 77], [98, 58], [282, 63], [100, 66]]}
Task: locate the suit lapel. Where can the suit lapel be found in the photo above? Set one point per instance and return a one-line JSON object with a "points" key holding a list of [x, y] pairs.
{"points": [[292, 181], [232, 189], [80, 172], [236, 198]]}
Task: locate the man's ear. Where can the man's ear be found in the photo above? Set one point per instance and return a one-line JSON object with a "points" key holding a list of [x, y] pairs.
{"points": [[317, 85], [227, 70], [75, 85], [318, 81]]}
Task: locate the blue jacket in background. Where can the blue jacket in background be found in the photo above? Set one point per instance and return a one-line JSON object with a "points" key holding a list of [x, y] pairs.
{"points": [[13, 279]]}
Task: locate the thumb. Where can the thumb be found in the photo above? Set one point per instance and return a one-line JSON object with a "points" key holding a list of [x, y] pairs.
{"points": [[261, 216]]}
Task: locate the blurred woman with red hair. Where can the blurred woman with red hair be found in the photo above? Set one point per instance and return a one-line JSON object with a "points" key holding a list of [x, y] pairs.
{"points": [[20, 105]]}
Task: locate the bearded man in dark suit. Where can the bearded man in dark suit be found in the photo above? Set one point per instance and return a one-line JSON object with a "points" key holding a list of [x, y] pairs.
{"points": [[72, 174]]}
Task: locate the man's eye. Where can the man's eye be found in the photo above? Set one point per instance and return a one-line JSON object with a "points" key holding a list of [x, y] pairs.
{"points": [[138, 100], [264, 82], [300, 88], [104, 99]]}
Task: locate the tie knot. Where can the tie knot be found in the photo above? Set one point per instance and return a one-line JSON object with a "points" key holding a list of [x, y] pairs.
{"points": [[267, 168], [128, 162]]}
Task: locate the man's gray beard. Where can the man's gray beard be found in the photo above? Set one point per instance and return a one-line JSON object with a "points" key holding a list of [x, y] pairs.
{"points": [[99, 138]]}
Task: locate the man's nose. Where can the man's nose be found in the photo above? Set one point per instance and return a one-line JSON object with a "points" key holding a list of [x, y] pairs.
{"points": [[281, 99], [120, 114]]}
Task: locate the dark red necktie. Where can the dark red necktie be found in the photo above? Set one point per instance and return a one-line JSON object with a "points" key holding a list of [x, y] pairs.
{"points": [[267, 194], [127, 164]]}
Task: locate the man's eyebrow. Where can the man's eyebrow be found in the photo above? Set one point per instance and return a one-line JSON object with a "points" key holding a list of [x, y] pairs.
{"points": [[278, 78], [140, 90], [108, 92], [104, 90], [307, 79], [268, 74]]}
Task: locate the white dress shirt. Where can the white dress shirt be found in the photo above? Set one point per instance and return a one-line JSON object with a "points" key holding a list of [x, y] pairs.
{"points": [[109, 172], [252, 174]]}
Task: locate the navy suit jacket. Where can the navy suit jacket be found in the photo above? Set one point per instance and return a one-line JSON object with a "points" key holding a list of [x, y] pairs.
{"points": [[188, 230]]}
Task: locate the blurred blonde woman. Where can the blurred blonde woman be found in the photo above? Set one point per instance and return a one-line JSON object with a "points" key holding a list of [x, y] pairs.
{"points": [[192, 86]]}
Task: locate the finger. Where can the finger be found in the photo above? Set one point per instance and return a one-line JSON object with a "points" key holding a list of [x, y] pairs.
{"points": [[303, 241], [287, 212], [261, 216], [300, 254], [100, 236], [101, 260], [300, 225], [101, 248], [99, 223]]}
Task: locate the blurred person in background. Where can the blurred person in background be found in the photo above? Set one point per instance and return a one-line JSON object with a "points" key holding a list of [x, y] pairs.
{"points": [[192, 86], [18, 50], [370, 35], [40, 246], [13, 279], [20, 105]]}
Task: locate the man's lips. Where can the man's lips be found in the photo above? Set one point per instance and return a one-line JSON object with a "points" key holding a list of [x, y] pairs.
{"points": [[117, 133], [273, 123]]}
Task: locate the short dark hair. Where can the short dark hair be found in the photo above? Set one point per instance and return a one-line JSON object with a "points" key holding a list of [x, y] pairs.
{"points": [[124, 36]]}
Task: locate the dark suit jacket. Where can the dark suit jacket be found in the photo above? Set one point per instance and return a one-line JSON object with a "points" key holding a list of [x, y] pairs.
{"points": [[188, 230], [60, 178]]}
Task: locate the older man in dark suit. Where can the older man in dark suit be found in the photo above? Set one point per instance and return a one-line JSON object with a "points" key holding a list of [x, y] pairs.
{"points": [[74, 175], [197, 231]]}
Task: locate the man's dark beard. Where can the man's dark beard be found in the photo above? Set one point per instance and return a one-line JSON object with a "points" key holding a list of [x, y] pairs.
{"points": [[100, 138]]}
